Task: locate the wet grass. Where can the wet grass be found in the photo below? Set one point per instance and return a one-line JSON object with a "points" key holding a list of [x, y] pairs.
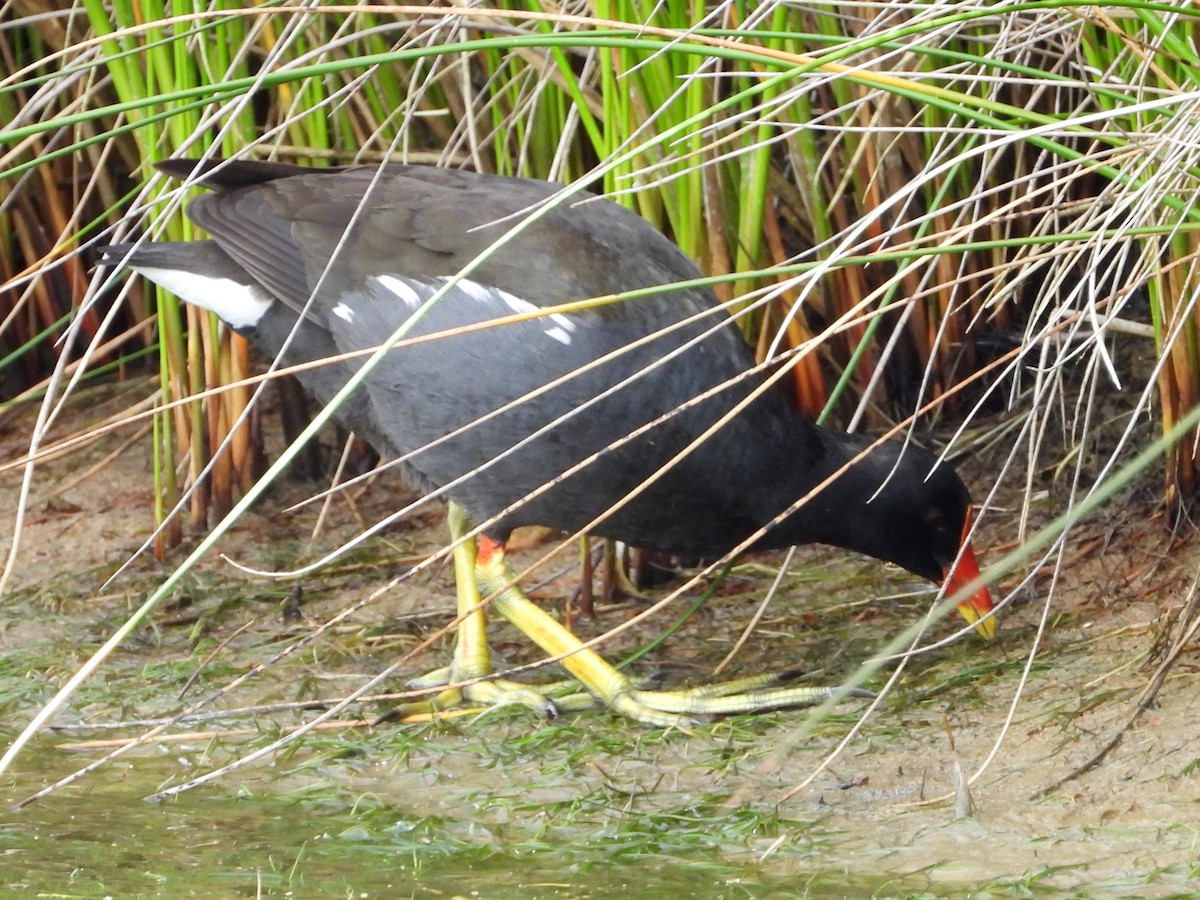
{"points": [[350, 846]]}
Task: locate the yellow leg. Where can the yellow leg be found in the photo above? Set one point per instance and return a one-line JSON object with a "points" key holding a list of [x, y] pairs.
{"points": [[483, 568], [610, 687], [472, 656]]}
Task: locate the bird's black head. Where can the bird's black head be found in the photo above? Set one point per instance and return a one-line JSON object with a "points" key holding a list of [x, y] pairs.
{"points": [[899, 504], [912, 509]]}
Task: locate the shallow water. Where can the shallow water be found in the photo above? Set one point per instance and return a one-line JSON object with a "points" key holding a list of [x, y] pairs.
{"points": [[274, 836], [483, 810]]}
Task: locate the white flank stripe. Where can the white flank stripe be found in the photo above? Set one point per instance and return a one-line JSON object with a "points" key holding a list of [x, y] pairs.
{"points": [[559, 327], [516, 304], [342, 311], [400, 288], [478, 292], [239, 305], [562, 321]]}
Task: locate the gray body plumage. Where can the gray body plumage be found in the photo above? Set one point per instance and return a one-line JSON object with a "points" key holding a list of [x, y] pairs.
{"points": [[353, 252]]}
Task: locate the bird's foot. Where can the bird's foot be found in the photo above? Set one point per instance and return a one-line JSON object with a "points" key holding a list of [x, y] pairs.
{"points": [[756, 694], [688, 707], [615, 690], [470, 680], [684, 708], [467, 689]]}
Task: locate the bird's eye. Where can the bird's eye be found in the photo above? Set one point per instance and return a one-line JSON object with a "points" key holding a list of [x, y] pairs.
{"points": [[934, 519]]}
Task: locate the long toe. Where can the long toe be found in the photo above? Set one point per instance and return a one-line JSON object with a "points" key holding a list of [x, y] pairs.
{"points": [[474, 691], [502, 692], [738, 697]]}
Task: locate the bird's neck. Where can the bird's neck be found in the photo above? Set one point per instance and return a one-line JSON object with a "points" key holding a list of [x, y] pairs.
{"points": [[816, 491]]}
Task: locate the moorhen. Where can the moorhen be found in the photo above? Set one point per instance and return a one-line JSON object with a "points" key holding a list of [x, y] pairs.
{"points": [[642, 420]]}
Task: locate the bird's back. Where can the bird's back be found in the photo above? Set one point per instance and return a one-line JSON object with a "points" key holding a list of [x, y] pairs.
{"points": [[496, 414]]}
